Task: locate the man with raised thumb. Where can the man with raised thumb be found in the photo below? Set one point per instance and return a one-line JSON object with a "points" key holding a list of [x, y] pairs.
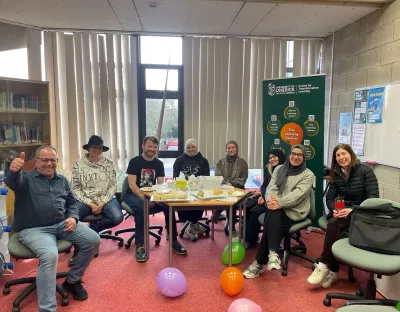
{"points": [[18, 163], [46, 211]]}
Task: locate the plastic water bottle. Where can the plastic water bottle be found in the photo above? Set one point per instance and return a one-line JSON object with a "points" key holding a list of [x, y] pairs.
{"points": [[4, 228], [3, 189], [5, 265]]}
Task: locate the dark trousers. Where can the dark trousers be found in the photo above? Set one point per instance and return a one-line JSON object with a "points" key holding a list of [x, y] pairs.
{"points": [[276, 225], [193, 216], [253, 211], [335, 231], [112, 215], [137, 205]]}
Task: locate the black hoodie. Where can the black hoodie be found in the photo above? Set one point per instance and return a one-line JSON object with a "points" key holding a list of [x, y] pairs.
{"points": [[196, 165]]}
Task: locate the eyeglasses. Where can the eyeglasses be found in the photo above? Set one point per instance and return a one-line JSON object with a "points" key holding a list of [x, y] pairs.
{"points": [[46, 160], [299, 155]]}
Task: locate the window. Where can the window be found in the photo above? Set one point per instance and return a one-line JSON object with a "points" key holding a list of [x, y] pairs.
{"points": [[160, 71], [14, 63], [289, 59]]}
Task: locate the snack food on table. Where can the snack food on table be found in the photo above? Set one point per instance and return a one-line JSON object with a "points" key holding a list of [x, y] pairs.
{"points": [[168, 194], [217, 192], [200, 193], [181, 195]]}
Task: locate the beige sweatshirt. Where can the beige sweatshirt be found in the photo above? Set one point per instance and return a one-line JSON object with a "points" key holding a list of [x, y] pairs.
{"points": [[295, 198], [94, 182]]}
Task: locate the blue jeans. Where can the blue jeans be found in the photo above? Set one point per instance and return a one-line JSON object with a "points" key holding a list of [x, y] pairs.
{"points": [[137, 205], [112, 214], [42, 242]]}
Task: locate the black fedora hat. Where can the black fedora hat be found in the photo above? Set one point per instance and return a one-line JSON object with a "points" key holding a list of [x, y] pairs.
{"points": [[96, 141]]}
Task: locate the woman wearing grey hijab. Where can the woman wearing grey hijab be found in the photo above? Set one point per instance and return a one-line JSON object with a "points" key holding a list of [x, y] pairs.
{"points": [[234, 170], [288, 202]]}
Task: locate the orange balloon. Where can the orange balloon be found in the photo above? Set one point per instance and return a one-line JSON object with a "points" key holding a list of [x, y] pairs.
{"points": [[232, 281]]}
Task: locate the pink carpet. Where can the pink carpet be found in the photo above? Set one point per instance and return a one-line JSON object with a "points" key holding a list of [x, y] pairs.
{"points": [[116, 282]]}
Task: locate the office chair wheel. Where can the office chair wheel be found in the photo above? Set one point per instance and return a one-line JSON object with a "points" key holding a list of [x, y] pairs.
{"points": [[352, 279], [120, 244], [284, 272], [160, 231], [127, 245], [65, 302], [327, 302], [15, 309], [6, 291], [181, 234], [157, 242]]}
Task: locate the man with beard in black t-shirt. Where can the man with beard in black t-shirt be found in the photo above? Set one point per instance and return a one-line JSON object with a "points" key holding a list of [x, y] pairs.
{"points": [[143, 171]]}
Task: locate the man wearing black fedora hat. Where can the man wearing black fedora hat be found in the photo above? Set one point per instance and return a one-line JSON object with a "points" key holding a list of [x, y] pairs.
{"points": [[94, 183]]}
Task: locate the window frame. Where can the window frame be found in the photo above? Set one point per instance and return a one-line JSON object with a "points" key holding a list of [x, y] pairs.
{"points": [[144, 94]]}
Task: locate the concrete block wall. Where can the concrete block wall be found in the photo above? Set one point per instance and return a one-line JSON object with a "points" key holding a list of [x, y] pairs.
{"points": [[366, 53]]}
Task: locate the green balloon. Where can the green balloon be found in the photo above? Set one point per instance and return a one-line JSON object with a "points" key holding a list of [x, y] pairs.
{"points": [[398, 306], [238, 253]]}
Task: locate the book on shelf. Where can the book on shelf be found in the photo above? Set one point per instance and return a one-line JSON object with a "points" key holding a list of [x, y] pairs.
{"points": [[20, 134], [10, 102]]}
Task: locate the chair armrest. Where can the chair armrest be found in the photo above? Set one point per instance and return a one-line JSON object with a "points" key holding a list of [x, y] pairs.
{"points": [[368, 302]]}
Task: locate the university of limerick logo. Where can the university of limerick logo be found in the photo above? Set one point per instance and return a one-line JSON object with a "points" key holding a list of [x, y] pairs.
{"points": [[271, 89]]}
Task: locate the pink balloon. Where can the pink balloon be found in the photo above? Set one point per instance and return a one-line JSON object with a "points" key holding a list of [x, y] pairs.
{"points": [[171, 282], [244, 305]]}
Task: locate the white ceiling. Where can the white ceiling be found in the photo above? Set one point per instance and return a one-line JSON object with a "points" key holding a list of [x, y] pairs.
{"points": [[184, 16]]}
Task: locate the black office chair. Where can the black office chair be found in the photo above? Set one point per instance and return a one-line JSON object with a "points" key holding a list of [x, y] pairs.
{"points": [[294, 233], [376, 264], [186, 224], [105, 234], [130, 212], [19, 251]]}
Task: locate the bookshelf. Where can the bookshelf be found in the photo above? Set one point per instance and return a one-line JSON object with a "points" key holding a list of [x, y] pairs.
{"points": [[24, 118]]}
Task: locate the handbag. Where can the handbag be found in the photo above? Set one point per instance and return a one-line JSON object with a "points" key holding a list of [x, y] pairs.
{"points": [[376, 229]]}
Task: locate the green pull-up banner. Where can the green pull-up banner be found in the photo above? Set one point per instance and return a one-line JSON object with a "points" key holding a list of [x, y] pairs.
{"points": [[293, 113]]}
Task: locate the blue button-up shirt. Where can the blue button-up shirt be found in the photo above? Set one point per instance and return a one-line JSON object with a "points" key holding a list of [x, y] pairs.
{"points": [[40, 201]]}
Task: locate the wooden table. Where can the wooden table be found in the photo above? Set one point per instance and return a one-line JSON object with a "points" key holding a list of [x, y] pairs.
{"points": [[196, 204]]}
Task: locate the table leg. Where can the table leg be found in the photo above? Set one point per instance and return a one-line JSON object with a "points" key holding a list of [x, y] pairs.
{"points": [[146, 227], [230, 235], [212, 230], [240, 221], [244, 221], [170, 230]]}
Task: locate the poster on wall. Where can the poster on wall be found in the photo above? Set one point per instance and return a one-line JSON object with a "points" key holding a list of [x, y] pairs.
{"points": [[360, 106], [345, 128], [375, 104], [358, 139], [293, 113]]}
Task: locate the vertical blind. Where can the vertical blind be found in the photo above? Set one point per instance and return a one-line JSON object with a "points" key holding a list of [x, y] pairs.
{"points": [[223, 89], [92, 91]]}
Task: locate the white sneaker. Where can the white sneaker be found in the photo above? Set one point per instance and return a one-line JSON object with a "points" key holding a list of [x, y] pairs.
{"points": [[254, 270], [199, 229], [331, 279], [274, 263], [193, 236], [317, 276]]}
